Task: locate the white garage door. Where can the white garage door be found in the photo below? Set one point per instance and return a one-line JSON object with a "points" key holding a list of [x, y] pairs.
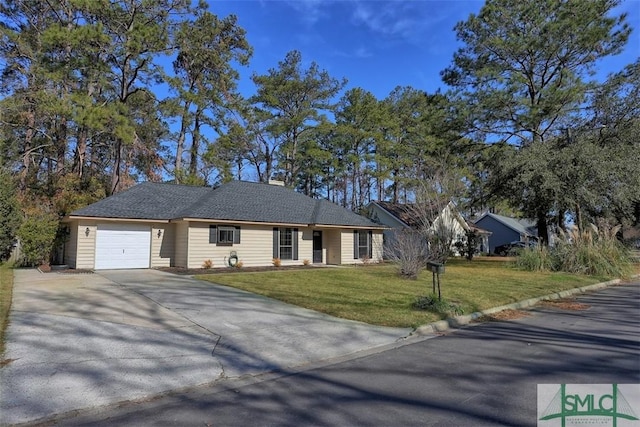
{"points": [[122, 246]]}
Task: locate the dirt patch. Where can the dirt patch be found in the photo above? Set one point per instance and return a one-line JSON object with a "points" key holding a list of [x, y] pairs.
{"points": [[5, 362], [503, 316], [564, 304]]}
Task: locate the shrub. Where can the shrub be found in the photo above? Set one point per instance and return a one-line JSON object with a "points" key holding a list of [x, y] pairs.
{"points": [[37, 234], [207, 264], [9, 215], [306, 262], [468, 247], [537, 258], [239, 264], [595, 251], [409, 250], [277, 262], [436, 305]]}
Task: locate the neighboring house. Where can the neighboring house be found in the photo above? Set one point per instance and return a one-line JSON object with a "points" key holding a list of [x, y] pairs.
{"points": [[163, 225], [401, 215], [483, 237], [506, 230]]}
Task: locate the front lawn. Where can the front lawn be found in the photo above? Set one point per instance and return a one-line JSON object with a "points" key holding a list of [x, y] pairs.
{"points": [[377, 295]]}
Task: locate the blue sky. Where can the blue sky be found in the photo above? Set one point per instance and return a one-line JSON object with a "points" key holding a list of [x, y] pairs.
{"points": [[376, 45]]}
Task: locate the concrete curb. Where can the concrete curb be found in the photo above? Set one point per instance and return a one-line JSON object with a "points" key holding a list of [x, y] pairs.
{"points": [[458, 321]]}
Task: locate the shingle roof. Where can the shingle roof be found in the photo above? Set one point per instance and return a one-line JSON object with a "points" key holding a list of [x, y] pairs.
{"points": [[522, 226], [234, 201], [412, 215]]}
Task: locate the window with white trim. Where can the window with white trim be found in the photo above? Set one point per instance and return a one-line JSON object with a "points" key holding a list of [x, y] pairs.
{"points": [[362, 246], [286, 243]]}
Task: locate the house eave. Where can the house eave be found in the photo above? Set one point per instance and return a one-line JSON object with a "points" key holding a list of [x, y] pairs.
{"points": [[237, 221], [355, 227], [70, 218]]}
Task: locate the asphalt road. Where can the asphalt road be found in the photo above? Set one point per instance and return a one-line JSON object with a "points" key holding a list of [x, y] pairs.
{"points": [[486, 374]]}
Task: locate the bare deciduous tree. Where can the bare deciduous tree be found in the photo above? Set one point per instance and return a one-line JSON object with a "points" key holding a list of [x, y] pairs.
{"points": [[434, 226]]}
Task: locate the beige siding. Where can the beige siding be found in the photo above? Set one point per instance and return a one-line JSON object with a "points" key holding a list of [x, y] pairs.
{"points": [[305, 246], [347, 247], [185, 244], [378, 242], [181, 239], [83, 254], [255, 247], [332, 240], [163, 245], [71, 245], [86, 246], [346, 238]]}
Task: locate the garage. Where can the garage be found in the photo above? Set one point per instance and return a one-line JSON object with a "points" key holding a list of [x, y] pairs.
{"points": [[122, 246]]}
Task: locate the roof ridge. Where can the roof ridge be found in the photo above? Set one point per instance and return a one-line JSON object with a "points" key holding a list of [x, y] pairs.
{"points": [[197, 203]]}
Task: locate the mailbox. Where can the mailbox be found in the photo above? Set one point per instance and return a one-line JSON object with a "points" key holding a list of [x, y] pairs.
{"points": [[435, 267]]}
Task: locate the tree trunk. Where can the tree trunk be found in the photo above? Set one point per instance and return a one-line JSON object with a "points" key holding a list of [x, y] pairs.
{"points": [[395, 186], [180, 143], [61, 145], [543, 230], [81, 151], [579, 217], [28, 143], [195, 145], [115, 173], [560, 220]]}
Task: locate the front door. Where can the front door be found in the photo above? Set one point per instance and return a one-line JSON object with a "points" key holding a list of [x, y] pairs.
{"points": [[317, 247]]}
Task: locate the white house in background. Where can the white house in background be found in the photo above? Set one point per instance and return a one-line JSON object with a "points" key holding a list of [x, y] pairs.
{"points": [[405, 215], [166, 225]]}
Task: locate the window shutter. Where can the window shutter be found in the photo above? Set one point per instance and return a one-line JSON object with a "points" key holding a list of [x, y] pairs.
{"points": [[275, 243], [370, 244], [355, 244], [295, 243], [236, 236], [213, 234]]}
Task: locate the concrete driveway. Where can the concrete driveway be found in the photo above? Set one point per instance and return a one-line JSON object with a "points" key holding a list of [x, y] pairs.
{"points": [[86, 340]]}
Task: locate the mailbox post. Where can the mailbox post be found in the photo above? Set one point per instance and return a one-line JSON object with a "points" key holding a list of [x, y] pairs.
{"points": [[436, 269]]}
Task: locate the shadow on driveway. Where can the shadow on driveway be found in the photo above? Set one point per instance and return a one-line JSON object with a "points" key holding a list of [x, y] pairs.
{"points": [[88, 340]]}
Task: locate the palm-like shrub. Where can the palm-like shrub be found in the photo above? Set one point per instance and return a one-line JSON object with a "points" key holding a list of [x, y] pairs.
{"points": [[595, 251], [538, 258]]}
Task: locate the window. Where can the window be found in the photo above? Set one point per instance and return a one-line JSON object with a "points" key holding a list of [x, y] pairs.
{"points": [[285, 243], [362, 247], [363, 244], [225, 235], [222, 235]]}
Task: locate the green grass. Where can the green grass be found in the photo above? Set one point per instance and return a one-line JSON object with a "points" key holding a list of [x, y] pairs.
{"points": [[377, 295], [6, 293]]}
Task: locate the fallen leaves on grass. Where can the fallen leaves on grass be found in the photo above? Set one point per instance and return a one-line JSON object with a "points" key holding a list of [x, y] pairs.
{"points": [[503, 315], [565, 304]]}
